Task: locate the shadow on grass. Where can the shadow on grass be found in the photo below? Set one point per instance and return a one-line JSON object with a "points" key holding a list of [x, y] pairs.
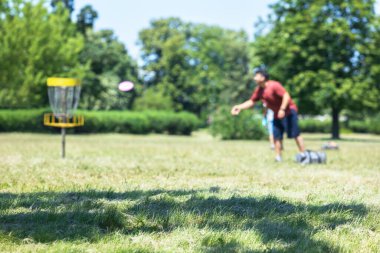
{"points": [[90, 215]]}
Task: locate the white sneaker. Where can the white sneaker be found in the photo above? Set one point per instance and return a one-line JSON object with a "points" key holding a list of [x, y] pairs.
{"points": [[278, 159]]}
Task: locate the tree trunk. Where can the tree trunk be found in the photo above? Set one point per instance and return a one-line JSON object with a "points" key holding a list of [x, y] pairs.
{"points": [[335, 123]]}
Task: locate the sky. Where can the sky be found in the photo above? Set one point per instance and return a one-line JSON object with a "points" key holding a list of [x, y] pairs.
{"points": [[126, 17]]}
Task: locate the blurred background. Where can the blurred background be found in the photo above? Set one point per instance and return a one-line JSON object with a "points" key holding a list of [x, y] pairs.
{"points": [[194, 57]]}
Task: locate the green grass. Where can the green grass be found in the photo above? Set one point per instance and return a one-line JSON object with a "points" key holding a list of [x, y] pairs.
{"points": [[122, 193]]}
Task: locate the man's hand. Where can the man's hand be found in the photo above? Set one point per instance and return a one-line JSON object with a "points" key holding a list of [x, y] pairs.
{"points": [[235, 110], [281, 114]]}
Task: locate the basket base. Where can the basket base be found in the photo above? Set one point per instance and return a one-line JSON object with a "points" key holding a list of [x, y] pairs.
{"points": [[62, 121]]}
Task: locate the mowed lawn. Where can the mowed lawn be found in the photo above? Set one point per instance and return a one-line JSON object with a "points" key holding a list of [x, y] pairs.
{"points": [[157, 193]]}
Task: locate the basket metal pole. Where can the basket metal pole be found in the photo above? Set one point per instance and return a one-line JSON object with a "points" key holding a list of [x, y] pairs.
{"points": [[64, 121], [63, 133]]}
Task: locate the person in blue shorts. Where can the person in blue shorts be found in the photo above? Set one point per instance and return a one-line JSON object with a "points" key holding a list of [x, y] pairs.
{"points": [[268, 119]]}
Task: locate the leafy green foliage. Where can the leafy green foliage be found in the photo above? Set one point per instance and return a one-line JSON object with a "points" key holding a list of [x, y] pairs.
{"points": [[244, 126], [315, 126], [369, 125], [153, 99], [139, 122], [68, 4], [35, 44], [105, 122], [325, 52], [22, 120], [114, 121], [316, 49], [196, 65], [109, 64], [86, 19]]}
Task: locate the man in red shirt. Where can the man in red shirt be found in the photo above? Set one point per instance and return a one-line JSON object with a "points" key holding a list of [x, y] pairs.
{"points": [[276, 98]]}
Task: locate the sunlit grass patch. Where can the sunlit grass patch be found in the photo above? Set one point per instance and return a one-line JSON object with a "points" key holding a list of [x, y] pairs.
{"points": [[120, 193]]}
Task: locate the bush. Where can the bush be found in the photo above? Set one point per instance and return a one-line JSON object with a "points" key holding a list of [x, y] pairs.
{"points": [[105, 121], [314, 126], [370, 125], [114, 121], [173, 123], [358, 126], [153, 99], [244, 126], [374, 126], [22, 121]]}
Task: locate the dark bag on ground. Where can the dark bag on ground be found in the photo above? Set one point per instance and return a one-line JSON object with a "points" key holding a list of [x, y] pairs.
{"points": [[309, 157]]}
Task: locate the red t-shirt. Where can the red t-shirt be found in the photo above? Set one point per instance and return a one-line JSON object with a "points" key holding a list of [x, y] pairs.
{"points": [[272, 96]]}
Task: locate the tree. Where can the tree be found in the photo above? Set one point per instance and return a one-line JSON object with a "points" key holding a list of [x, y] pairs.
{"points": [[198, 66], [222, 66], [109, 64], [86, 19], [4, 7], [163, 48], [69, 4], [367, 85], [35, 44], [314, 47]]}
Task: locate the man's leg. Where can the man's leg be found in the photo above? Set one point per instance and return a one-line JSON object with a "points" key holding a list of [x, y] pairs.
{"points": [[278, 133], [300, 143], [294, 131], [278, 145]]}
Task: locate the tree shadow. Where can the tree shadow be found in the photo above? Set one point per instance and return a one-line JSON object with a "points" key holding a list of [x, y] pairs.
{"points": [[51, 216]]}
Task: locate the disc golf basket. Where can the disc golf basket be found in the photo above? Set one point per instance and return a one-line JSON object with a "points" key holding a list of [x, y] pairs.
{"points": [[63, 97]]}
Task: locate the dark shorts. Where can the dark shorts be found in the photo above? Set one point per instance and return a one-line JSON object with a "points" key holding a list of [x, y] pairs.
{"points": [[288, 124]]}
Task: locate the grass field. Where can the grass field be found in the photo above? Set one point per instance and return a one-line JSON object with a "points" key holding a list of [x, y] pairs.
{"points": [[122, 193]]}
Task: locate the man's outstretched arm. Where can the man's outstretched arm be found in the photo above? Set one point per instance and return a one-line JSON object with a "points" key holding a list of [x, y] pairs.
{"points": [[246, 105]]}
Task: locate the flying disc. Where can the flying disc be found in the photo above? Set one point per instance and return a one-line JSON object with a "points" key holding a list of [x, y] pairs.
{"points": [[126, 86]]}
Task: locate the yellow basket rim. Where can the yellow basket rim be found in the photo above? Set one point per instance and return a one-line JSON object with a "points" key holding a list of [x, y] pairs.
{"points": [[62, 82]]}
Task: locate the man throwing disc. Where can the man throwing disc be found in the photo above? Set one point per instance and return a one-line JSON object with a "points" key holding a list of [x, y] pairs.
{"points": [[276, 98]]}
